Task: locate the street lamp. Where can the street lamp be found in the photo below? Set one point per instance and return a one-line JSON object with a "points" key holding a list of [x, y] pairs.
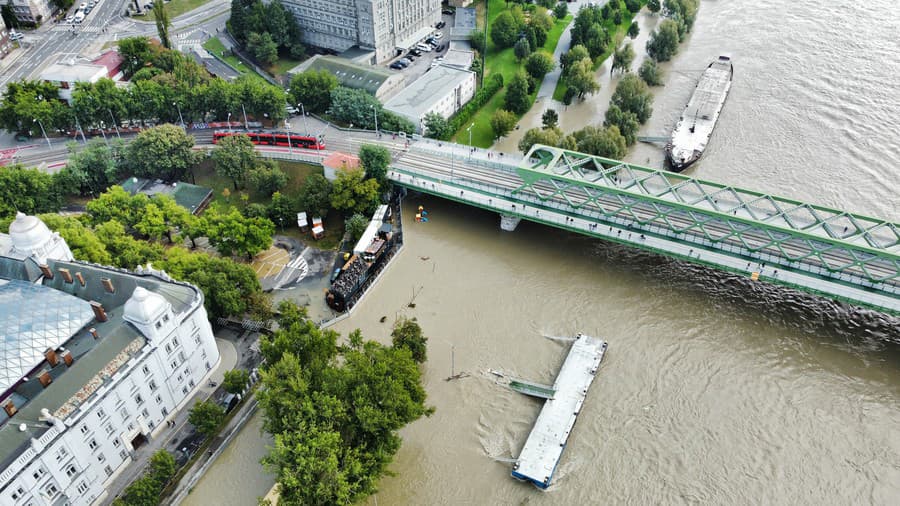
{"points": [[470, 134], [305, 124], [43, 132], [375, 111], [229, 121], [245, 116], [78, 125], [115, 124], [180, 118]]}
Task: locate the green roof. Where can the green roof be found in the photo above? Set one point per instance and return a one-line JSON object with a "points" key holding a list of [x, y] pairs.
{"points": [[349, 74], [189, 196]]}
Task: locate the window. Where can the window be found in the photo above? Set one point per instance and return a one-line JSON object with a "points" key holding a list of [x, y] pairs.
{"points": [[101, 458], [145, 413], [84, 429], [101, 414], [165, 319], [50, 490], [138, 399], [61, 454], [145, 369], [123, 454], [92, 444], [164, 411], [124, 414], [152, 385], [191, 383], [181, 356], [116, 443], [107, 470], [180, 378], [158, 324], [174, 364], [168, 348], [71, 470], [174, 339], [159, 399], [18, 493], [184, 390], [130, 427], [82, 487], [109, 429]]}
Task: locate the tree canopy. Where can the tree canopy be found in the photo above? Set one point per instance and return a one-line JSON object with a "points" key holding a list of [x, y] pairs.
{"points": [[517, 94], [235, 157], [663, 43], [315, 196], [437, 126], [313, 88], [206, 416], [375, 161], [502, 122], [633, 95], [231, 233], [235, 381], [162, 152], [352, 193]]}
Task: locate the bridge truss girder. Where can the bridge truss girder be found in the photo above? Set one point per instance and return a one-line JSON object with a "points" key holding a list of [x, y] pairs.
{"points": [[843, 243]]}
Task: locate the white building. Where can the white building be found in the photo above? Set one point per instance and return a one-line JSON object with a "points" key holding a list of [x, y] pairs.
{"points": [[31, 11], [64, 76], [90, 367], [382, 26], [442, 89]]}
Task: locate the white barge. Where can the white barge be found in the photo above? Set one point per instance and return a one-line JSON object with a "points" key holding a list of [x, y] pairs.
{"points": [[696, 125], [539, 457]]}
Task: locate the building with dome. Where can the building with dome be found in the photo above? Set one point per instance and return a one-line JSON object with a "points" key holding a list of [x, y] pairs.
{"points": [[93, 361]]}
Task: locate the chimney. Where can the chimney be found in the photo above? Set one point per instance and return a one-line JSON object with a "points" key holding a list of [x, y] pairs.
{"points": [[51, 357], [45, 270], [107, 285], [94, 333], [66, 274], [80, 278], [45, 379], [67, 358], [99, 312], [10, 408]]}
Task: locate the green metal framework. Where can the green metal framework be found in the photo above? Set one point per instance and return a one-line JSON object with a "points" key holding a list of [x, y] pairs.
{"points": [[778, 229]]}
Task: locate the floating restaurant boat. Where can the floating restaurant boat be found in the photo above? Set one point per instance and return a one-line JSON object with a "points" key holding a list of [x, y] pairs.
{"points": [[696, 125]]}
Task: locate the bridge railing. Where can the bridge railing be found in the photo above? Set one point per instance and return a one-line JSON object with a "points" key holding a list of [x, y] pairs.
{"points": [[503, 200]]}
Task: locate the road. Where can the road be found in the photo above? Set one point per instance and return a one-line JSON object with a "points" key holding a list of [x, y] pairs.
{"points": [[52, 43]]}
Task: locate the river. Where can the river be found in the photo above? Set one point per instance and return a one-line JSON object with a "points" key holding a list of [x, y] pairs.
{"points": [[714, 390]]}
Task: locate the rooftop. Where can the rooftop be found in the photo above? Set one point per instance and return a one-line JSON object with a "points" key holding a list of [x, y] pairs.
{"points": [[112, 60], [420, 96], [80, 72], [95, 358], [338, 160], [189, 196], [349, 74]]}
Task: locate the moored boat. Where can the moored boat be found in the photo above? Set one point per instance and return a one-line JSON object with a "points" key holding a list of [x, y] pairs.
{"points": [[694, 128]]}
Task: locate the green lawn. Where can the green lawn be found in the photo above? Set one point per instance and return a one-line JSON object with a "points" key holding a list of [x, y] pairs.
{"points": [[617, 31], [282, 66], [176, 8], [205, 175], [504, 62], [214, 45]]}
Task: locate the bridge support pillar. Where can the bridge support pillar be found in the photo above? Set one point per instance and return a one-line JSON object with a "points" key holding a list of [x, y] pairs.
{"points": [[509, 223]]}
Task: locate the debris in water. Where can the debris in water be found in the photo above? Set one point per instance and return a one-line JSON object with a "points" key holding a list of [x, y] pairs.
{"points": [[383, 318]]}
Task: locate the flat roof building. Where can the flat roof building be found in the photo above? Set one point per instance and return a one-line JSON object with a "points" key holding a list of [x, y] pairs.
{"points": [[383, 26], [92, 366], [376, 81], [64, 76], [189, 196], [442, 89]]}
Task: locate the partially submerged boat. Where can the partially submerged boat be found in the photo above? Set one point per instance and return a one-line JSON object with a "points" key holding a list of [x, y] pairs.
{"points": [[696, 125]]}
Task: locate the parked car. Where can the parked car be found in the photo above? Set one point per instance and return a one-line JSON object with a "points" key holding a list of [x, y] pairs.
{"points": [[440, 24], [438, 35], [424, 48], [415, 52], [14, 35], [405, 61], [396, 66], [447, 12], [441, 48], [82, 6]]}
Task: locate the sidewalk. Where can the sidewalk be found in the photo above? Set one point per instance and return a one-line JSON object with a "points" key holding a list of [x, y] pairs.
{"points": [[169, 438]]}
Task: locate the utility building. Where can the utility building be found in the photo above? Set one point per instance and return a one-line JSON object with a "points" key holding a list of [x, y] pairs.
{"points": [[384, 27]]}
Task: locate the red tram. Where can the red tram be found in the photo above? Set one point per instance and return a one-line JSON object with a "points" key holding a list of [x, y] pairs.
{"points": [[286, 139]]}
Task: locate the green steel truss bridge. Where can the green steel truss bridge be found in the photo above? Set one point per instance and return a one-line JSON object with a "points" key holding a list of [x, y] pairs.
{"points": [[831, 253]]}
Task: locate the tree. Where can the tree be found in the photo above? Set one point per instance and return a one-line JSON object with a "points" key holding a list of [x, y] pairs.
{"points": [[352, 193], [94, 167], [633, 30], [505, 29], [685, 12], [315, 196], [574, 55], [162, 152], [581, 78], [633, 95], [539, 64], [626, 121], [234, 157], [233, 234], [547, 136], [135, 52], [313, 89], [633, 6], [561, 10], [375, 161], [162, 23], [206, 417], [605, 142], [355, 107], [281, 209], [663, 43], [262, 47], [407, 333], [521, 49], [27, 190], [267, 177], [235, 381], [550, 118], [355, 226], [653, 5], [437, 126], [517, 94], [229, 288], [124, 250], [622, 59], [502, 122], [82, 240], [650, 72], [162, 467]]}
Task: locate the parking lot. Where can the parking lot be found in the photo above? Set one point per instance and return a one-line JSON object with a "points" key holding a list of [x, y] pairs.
{"points": [[421, 64]]}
